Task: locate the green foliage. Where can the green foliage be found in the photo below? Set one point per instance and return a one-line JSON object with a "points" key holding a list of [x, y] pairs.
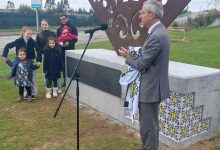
{"points": [[12, 20], [204, 20], [216, 148], [175, 24], [10, 5], [24, 9]]}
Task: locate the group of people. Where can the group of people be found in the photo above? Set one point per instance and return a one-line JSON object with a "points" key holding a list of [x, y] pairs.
{"points": [[48, 48], [152, 63]]}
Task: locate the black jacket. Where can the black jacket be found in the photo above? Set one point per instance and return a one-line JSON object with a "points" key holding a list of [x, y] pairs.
{"points": [[41, 41], [73, 31], [52, 64], [20, 43]]}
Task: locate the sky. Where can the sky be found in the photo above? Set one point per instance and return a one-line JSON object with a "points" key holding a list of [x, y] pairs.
{"points": [[194, 5]]}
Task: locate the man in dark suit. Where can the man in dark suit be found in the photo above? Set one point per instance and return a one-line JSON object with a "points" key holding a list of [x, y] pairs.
{"points": [[68, 45], [153, 64]]}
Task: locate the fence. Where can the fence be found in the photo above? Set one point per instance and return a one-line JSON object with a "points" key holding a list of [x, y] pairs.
{"points": [[177, 33]]}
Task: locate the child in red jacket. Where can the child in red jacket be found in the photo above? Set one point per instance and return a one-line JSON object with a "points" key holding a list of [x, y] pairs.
{"points": [[66, 35]]}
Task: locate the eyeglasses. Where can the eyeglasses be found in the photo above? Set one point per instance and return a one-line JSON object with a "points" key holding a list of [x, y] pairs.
{"points": [[61, 19]]}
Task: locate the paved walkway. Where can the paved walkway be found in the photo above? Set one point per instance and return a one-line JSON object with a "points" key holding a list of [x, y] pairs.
{"points": [[83, 38]]}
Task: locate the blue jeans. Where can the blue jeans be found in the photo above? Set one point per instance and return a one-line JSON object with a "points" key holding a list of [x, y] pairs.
{"points": [[58, 82], [49, 83]]}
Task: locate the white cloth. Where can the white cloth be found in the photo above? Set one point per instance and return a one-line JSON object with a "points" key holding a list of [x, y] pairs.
{"points": [[131, 78]]}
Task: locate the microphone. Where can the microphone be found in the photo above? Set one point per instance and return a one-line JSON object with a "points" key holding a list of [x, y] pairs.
{"points": [[101, 27]]}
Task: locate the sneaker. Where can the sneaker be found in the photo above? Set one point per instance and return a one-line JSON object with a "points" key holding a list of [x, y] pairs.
{"points": [[54, 93], [48, 95], [33, 97], [59, 91]]}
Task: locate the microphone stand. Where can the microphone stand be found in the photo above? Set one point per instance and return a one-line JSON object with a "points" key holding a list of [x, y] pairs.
{"points": [[75, 76]]}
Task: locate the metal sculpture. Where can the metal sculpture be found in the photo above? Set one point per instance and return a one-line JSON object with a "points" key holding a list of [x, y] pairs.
{"points": [[122, 17]]}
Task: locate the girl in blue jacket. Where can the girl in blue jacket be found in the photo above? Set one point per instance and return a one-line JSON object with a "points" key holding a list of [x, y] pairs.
{"points": [[22, 72], [52, 66]]}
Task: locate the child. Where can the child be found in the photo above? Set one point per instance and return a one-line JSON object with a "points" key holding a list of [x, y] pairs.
{"points": [[52, 66], [25, 41], [22, 71], [66, 35]]}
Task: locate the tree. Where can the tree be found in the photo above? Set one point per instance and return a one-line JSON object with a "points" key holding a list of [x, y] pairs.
{"points": [[60, 8], [10, 5], [91, 11], [66, 5], [80, 11], [213, 3], [63, 6], [71, 11], [50, 4], [84, 11]]}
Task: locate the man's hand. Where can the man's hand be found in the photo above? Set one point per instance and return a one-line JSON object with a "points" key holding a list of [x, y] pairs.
{"points": [[123, 52]]}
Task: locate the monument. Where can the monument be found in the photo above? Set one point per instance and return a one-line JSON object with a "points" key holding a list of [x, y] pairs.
{"points": [[191, 114]]}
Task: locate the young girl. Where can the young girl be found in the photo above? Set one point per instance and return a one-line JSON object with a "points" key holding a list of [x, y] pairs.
{"points": [[52, 66], [25, 41], [22, 71]]}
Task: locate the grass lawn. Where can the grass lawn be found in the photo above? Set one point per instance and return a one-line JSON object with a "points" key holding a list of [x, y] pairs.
{"points": [[31, 126]]}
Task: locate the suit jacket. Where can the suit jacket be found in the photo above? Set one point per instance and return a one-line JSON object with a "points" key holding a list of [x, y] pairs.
{"points": [[153, 63]]}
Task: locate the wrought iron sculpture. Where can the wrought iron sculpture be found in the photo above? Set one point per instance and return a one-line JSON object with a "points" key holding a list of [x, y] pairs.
{"points": [[122, 17]]}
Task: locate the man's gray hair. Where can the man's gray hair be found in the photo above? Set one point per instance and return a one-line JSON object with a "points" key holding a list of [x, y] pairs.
{"points": [[156, 7]]}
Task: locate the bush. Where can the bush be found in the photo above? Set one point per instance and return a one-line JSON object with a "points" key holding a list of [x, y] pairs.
{"points": [[203, 20], [200, 21], [175, 24]]}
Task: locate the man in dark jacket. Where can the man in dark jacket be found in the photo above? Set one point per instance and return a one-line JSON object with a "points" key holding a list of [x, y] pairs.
{"points": [[64, 20]]}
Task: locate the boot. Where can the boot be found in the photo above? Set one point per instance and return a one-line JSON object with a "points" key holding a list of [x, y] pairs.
{"points": [[48, 93], [55, 91], [59, 91]]}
